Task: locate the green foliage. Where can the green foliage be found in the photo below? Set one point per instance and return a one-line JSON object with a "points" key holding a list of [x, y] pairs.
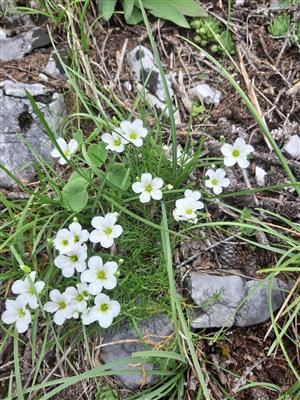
{"points": [[97, 154], [106, 393], [174, 11], [280, 25], [296, 37], [74, 194], [209, 32], [119, 176]]}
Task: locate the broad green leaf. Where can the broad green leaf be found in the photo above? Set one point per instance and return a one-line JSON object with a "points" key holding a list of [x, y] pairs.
{"points": [[189, 7], [135, 18], [74, 194], [106, 8], [97, 153], [128, 8], [165, 10], [81, 173], [118, 175], [78, 136]]}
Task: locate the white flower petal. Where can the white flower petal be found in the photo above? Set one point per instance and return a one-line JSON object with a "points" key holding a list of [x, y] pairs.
{"points": [[157, 183], [156, 194], [21, 325], [115, 307], [73, 145], [137, 187], [145, 197], [226, 149], [243, 162], [229, 161]]}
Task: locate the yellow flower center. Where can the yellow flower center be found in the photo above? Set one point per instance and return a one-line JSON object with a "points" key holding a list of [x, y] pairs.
{"points": [[67, 153], [76, 238], [74, 258], [79, 297], [104, 307], [133, 135], [31, 290], [117, 142], [107, 230], [65, 242], [101, 275], [236, 153], [189, 211], [148, 188], [62, 305], [214, 181], [21, 312]]}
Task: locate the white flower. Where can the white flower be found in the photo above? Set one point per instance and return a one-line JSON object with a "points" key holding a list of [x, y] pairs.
{"points": [[115, 142], [217, 180], [74, 259], [186, 209], [60, 305], [134, 131], [236, 153], [100, 275], [78, 234], [67, 149], [148, 188], [106, 230], [27, 291], [260, 174], [104, 310], [79, 296], [17, 313], [63, 241], [292, 147]]}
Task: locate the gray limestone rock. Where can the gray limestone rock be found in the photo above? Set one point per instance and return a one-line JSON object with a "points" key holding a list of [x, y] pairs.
{"points": [[256, 308], [155, 329], [21, 133], [217, 298], [224, 301], [17, 47]]}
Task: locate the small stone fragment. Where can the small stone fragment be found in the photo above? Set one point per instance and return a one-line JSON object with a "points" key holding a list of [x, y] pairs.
{"points": [[141, 63], [205, 93], [17, 47], [260, 174], [54, 68], [292, 147], [156, 329]]}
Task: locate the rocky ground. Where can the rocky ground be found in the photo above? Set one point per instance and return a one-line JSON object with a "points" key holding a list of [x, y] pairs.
{"points": [[269, 72]]}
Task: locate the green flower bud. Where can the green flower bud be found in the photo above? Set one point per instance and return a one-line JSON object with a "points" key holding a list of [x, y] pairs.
{"points": [[195, 24], [25, 268], [121, 261], [197, 39], [75, 219]]}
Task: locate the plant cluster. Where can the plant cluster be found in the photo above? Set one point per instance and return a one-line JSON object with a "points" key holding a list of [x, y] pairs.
{"points": [[85, 299], [209, 33], [94, 276], [279, 28], [175, 11]]}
